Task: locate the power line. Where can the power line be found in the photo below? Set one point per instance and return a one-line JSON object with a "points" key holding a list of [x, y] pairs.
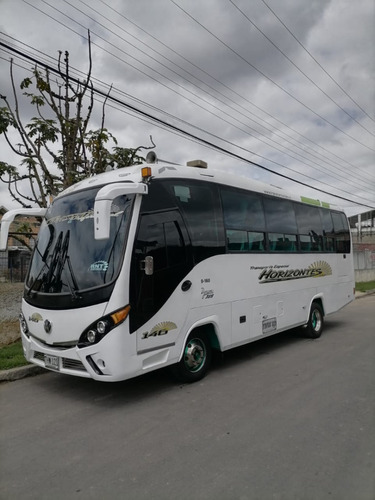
{"points": [[273, 131], [195, 95], [317, 166], [202, 70], [180, 130], [315, 60], [171, 89], [270, 79], [299, 69], [168, 87], [246, 150], [326, 151], [256, 154]]}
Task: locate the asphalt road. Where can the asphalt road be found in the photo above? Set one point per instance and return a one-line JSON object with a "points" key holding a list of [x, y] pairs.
{"points": [[283, 418]]}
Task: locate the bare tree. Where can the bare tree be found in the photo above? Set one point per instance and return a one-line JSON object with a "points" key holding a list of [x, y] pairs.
{"points": [[57, 148]]}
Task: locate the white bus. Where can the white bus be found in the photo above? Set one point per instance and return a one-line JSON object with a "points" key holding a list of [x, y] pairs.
{"points": [[157, 265]]}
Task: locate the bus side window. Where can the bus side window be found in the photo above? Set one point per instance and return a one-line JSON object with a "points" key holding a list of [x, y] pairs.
{"points": [[328, 234], [310, 228], [281, 225], [282, 242], [342, 234], [243, 220], [199, 205]]}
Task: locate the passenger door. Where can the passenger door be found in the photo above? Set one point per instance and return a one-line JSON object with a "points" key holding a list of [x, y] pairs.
{"points": [[163, 237]]}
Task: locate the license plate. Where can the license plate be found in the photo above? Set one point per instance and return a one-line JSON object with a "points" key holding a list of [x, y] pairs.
{"points": [[269, 325], [51, 362]]}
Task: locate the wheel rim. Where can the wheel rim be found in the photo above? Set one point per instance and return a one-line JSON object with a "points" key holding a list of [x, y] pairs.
{"points": [[195, 355], [316, 320]]}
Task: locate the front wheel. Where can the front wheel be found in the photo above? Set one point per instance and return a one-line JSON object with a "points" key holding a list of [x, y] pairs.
{"points": [[315, 324], [195, 360]]}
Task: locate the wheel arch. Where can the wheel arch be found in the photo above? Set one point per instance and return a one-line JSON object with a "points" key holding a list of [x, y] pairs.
{"points": [[210, 328], [318, 299]]}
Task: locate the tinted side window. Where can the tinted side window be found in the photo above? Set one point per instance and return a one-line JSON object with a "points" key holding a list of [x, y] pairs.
{"points": [[328, 233], [244, 221], [342, 234], [281, 225], [151, 241], [280, 216], [282, 242], [242, 210], [310, 228], [158, 198], [162, 236], [200, 207], [176, 253], [308, 219]]}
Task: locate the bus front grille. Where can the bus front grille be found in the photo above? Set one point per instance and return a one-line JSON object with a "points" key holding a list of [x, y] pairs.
{"points": [[73, 364], [39, 356], [68, 364]]}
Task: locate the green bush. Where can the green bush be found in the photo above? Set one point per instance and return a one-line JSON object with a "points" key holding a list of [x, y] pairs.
{"points": [[365, 286], [11, 356]]}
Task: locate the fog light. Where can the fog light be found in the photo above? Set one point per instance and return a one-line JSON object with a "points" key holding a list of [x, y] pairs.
{"points": [[101, 363], [91, 335]]}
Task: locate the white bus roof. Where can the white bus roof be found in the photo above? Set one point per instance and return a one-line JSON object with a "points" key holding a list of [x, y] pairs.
{"points": [[168, 170]]}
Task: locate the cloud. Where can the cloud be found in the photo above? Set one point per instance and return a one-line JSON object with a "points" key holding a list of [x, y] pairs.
{"points": [[211, 71]]}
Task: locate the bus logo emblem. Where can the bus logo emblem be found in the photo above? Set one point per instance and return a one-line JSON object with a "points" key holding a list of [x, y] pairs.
{"points": [[47, 326], [160, 329], [315, 270]]}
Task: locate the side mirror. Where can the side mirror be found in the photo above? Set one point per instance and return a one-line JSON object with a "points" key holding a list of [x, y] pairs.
{"points": [[8, 218], [103, 202]]}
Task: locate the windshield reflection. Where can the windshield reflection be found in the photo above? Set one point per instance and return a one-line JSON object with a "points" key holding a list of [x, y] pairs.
{"points": [[67, 259]]}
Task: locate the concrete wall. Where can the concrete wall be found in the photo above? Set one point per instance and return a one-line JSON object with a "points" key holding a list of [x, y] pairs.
{"points": [[364, 275], [364, 260]]}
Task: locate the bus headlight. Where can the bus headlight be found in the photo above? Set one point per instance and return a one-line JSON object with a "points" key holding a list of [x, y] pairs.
{"points": [[23, 324], [99, 328], [91, 336]]}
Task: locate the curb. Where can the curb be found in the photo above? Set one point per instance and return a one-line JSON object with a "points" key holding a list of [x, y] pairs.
{"points": [[21, 372], [360, 295]]}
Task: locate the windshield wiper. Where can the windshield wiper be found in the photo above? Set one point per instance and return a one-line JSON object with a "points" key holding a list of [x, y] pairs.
{"points": [[62, 259], [44, 260]]}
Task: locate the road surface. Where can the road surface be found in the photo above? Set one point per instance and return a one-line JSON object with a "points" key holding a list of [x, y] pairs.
{"points": [[283, 418]]}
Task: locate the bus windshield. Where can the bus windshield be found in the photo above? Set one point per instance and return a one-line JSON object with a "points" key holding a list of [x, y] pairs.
{"points": [[67, 259]]}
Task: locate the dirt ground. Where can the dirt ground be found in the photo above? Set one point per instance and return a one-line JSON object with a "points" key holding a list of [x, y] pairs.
{"points": [[10, 308]]}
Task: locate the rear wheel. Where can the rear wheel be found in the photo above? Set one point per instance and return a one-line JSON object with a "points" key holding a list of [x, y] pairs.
{"points": [[315, 324], [195, 360]]}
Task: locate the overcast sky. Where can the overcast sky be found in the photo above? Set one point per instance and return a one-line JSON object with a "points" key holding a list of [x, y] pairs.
{"points": [[286, 84]]}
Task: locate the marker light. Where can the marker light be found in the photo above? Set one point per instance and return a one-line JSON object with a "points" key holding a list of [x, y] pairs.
{"points": [[119, 316], [146, 173]]}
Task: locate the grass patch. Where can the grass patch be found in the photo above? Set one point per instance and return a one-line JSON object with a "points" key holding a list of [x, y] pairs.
{"points": [[11, 356], [365, 286]]}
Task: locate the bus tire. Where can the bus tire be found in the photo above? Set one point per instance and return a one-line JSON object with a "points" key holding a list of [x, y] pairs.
{"points": [[196, 359], [315, 324]]}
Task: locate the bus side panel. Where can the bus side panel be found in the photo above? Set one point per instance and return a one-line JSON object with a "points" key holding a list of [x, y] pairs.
{"points": [[235, 293]]}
